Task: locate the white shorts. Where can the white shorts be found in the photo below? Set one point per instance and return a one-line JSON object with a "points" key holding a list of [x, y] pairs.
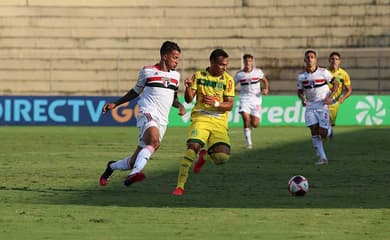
{"points": [[320, 116], [251, 106], [145, 121]]}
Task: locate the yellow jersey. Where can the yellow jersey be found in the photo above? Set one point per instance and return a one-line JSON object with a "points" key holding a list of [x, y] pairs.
{"points": [[344, 80], [218, 87]]}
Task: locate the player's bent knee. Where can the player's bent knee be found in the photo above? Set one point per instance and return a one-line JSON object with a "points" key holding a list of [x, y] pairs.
{"points": [[220, 158]]}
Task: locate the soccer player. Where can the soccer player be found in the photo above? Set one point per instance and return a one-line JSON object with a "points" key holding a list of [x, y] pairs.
{"points": [[213, 89], [158, 84], [344, 84], [314, 92], [253, 84]]}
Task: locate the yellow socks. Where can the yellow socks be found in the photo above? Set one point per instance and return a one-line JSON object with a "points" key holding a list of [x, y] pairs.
{"points": [[185, 166]]}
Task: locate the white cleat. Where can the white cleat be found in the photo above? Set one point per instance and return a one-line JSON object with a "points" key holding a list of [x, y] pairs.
{"points": [[322, 162], [249, 146]]}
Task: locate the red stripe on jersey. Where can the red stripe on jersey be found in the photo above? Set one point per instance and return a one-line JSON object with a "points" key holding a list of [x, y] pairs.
{"points": [[320, 80], [159, 79]]}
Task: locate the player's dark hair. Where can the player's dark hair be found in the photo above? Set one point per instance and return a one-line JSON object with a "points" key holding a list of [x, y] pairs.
{"points": [[218, 53], [246, 56], [335, 53], [168, 47], [311, 51]]}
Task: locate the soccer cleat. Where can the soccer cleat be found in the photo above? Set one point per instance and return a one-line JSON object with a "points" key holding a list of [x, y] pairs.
{"points": [[136, 177], [249, 146], [178, 191], [105, 177], [199, 164], [322, 162]]}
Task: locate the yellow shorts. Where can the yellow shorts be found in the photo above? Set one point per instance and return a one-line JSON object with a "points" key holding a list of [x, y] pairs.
{"points": [[333, 109], [206, 132]]}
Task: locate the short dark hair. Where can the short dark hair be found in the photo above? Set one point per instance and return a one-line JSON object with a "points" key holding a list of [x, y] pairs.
{"points": [[311, 51], [335, 53], [218, 53], [247, 56], [168, 47]]}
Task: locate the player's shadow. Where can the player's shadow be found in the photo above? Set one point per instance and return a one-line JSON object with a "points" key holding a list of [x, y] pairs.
{"points": [[357, 176]]}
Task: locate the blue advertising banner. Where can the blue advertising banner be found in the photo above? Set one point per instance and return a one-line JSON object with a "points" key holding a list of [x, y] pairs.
{"points": [[57, 110], [86, 111]]}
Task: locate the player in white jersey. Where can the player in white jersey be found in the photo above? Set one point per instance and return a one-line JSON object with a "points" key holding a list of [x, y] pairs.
{"points": [[156, 87], [253, 84], [314, 92]]}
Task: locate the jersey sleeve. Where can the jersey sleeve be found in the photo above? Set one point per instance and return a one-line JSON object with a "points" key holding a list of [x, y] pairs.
{"points": [[260, 73], [236, 78], [140, 85], [194, 82], [347, 79], [299, 83], [328, 75], [229, 91]]}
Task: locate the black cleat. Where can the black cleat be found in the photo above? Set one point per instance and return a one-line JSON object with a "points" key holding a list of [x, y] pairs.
{"points": [[105, 177]]}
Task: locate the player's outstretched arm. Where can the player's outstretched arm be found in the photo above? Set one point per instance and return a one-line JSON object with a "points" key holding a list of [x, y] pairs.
{"points": [[189, 93], [130, 95], [265, 89], [176, 103]]}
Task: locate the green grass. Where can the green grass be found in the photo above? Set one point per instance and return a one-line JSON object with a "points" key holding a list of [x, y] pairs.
{"points": [[49, 187]]}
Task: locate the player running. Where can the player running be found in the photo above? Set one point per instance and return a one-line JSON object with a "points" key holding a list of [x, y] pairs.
{"points": [[158, 84], [344, 84], [314, 92], [213, 89], [253, 84]]}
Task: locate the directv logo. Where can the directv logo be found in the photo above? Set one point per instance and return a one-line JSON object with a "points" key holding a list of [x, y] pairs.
{"points": [[372, 111]]}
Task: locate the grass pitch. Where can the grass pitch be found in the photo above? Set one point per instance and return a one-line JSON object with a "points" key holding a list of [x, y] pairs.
{"points": [[49, 187]]}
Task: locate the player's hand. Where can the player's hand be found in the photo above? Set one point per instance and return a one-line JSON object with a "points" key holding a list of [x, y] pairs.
{"points": [[182, 110], [107, 107], [304, 102], [265, 91], [188, 82], [328, 100], [208, 100]]}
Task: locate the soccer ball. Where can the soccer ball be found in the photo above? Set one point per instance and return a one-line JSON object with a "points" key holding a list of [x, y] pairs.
{"points": [[298, 185]]}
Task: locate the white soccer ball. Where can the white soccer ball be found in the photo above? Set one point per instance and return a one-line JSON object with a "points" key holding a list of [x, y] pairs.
{"points": [[298, 185]]}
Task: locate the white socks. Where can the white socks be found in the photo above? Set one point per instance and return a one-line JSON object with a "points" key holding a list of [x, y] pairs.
{"points": [[121, 164], [318, 146], [248, 138], [142, 159], [330, 131]]}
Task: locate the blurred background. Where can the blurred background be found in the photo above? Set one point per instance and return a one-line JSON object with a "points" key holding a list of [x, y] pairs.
{"points": [[97, 47]]}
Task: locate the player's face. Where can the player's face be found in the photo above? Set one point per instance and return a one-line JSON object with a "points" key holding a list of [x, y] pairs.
{"points": [[334, 62], [248, 63], [218, 67], [310, 60], [171, 59]]}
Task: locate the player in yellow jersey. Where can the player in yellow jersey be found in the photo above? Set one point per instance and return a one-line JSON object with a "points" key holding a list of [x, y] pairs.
{"points": [[213, 89], [343, 91]]}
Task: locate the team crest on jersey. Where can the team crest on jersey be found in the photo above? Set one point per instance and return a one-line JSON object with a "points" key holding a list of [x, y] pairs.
{"points": [[166, 81], [194, 132]]}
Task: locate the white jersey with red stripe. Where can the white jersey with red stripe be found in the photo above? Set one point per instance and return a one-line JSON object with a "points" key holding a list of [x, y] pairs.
{"points": [[250, 82], [156, 89], [315, 86]]}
